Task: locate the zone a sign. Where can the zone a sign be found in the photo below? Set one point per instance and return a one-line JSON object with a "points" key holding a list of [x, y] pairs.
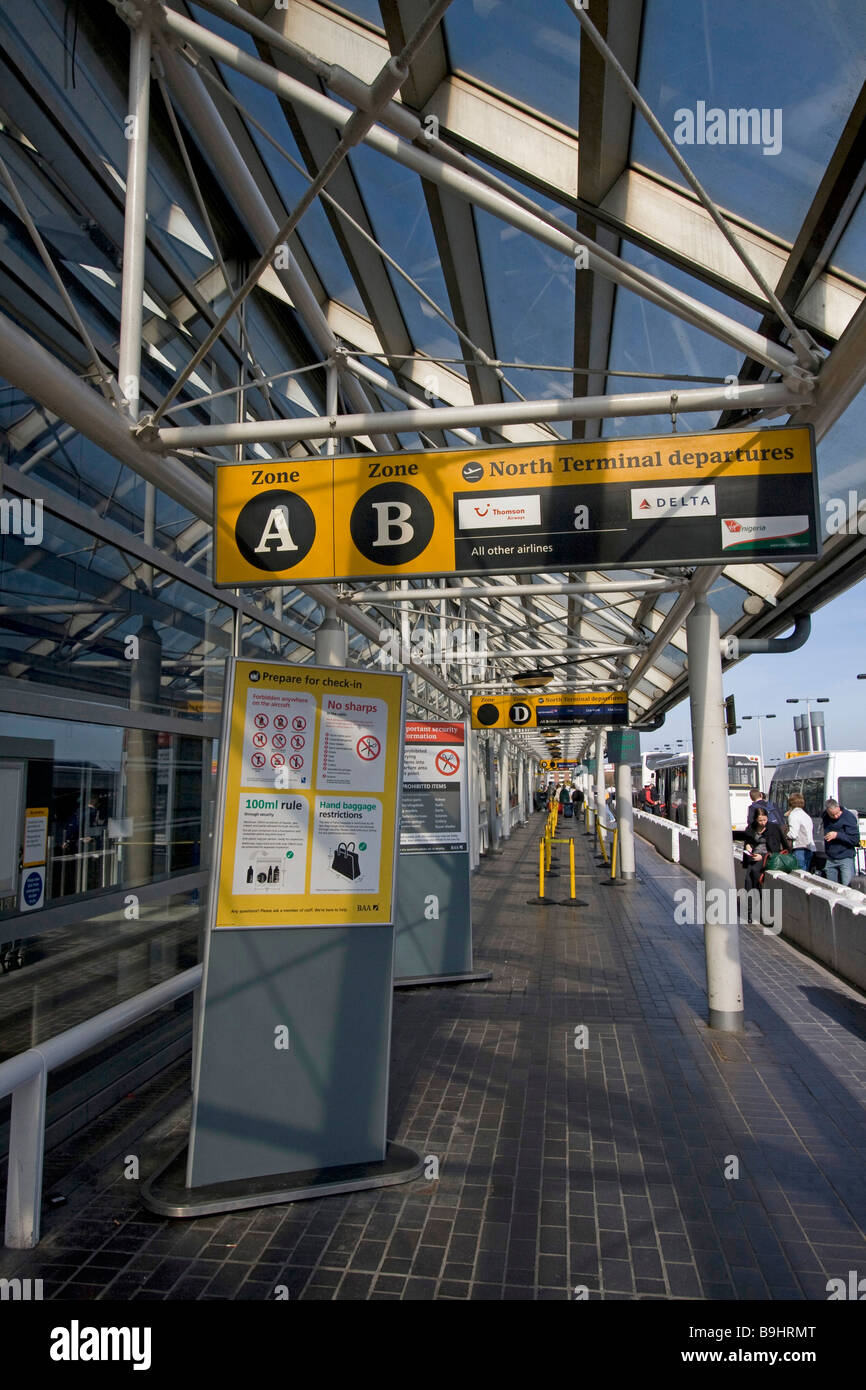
{"points": [[681, 499]]}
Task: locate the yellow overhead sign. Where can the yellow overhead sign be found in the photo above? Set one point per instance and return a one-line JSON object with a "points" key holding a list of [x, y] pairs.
{"points": [[310, 818], [546, 711], [683, 499]]}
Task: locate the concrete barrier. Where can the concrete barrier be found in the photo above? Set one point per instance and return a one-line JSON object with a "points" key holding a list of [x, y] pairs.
{"points": [[825, 919], [690, 854], [850, 925], [662, 834], [795, 907]]}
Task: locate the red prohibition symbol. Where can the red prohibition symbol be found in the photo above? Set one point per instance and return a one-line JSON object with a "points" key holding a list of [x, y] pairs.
{"points": [[261, 721], [258, 759], [368, 747], [295, 762], [279, 740], [299, 722], [298, 740], [277, 760], [280, 721], [260, 740], [447, 762]]}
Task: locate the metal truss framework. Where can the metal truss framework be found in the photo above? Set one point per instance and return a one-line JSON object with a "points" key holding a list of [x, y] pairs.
{"points": [[468, 145]]}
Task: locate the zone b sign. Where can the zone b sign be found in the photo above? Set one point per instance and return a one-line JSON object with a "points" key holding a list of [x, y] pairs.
{"points": [[718, 498]]}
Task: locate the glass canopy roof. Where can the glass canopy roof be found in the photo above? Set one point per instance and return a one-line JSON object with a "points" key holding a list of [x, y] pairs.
{"points": [[431, 294]]}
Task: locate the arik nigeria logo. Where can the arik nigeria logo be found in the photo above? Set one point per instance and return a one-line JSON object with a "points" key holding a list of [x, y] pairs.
{"points": [[275, 530]]}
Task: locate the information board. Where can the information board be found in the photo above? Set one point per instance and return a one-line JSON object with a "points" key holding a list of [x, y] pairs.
{"points": [[681, 499], [434, 812], [546, 711], [310, 798]]}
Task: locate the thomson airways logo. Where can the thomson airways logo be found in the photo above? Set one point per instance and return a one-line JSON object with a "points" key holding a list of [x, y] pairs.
{"points": [[77, 1343], [478, 512]]}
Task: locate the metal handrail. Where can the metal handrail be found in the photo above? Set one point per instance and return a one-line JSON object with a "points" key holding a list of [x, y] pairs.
{"points": [[25, 1077]]}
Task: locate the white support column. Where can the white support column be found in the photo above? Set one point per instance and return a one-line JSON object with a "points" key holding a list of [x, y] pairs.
{"points": [[473, 795], [136, 128], [717, 881], [505, 800], [492, 791], [625, 821], [331, 644], [599, 777]]}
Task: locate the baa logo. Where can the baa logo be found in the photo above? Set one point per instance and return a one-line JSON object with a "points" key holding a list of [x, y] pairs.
{"points": [[255, 675]]}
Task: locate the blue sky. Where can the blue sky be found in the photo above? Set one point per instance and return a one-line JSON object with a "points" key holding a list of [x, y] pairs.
{"points": [[828, 665]]}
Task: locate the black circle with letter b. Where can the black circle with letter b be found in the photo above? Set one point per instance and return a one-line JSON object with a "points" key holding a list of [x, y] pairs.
{"points": [[391, 523]]}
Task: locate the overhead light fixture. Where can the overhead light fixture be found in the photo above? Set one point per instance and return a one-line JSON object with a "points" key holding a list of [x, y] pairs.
{"points": [[531, 680]]}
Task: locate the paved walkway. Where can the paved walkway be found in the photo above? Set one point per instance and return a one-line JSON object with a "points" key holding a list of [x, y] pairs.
{"points": [[607, 1166]]}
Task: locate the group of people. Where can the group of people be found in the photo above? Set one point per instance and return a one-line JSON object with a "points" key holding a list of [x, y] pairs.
{"points": [[563, 796], [769, 833]]}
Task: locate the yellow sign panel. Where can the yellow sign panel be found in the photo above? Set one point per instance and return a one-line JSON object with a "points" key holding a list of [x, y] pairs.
{"points": [[310, 819], [546, 711], [681, 499]]}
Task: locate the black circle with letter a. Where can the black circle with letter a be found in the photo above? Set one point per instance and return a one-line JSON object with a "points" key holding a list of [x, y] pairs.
{"points": [[391, 523], [275, 531]]}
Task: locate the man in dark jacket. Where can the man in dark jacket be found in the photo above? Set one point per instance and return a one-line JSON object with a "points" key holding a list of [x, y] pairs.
{"points": [[841, 841], [760, 803]]}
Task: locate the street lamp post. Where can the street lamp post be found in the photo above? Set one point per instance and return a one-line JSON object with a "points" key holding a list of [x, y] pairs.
{"points": [[808, 701], [760, 718]]}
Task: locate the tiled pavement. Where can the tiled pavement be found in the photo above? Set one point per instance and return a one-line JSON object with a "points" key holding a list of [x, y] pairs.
{"points": [[608, 1166]]}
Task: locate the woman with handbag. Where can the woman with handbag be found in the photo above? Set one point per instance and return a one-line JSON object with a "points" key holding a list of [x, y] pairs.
{"points": [[762, 840], [800, 831]]}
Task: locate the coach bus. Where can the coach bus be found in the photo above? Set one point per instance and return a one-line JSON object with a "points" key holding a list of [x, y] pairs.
{"points": [[671, 779]]}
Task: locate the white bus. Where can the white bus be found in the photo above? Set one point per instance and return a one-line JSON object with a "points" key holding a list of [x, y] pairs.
{"points": [[818, 777], [673, 782]]}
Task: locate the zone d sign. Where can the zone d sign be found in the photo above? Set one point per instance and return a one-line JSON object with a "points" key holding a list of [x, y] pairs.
{"points": [[681, 499], [548, 711]]}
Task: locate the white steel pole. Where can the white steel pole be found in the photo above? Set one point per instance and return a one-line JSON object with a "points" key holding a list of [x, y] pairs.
{"points": [[762, 396], [625, 820], [599, 777], [717, 884], [331, 643], [136, 128]]}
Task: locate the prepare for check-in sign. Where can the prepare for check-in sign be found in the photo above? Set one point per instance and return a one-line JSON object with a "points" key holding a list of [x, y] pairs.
{"points": [[310, 808], [682, 499]]}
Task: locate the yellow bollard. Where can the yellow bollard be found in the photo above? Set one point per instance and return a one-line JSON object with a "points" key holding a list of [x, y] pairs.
{"points": [[604, 853], [541, 868], [571, 865], [613, 853]]}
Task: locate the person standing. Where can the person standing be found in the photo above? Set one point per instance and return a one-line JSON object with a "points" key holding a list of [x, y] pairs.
{"points": [[841, 842], [762, 839], [800, 831]]}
